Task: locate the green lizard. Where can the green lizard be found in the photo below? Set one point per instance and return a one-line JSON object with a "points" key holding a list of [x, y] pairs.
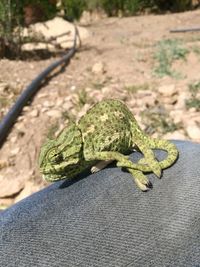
{"points": [[108, 131]]}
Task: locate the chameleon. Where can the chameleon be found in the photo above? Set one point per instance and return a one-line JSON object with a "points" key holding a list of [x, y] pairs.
{"points": [[107, 132]]}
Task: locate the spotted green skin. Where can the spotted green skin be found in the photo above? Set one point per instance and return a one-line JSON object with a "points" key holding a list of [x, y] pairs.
{"points": [[108, 131]]}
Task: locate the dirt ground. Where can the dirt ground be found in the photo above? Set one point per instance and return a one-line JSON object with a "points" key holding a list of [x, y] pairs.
{"points": [[116, 60]]}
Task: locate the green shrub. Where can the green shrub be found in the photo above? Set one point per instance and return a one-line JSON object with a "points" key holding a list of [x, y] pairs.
{"points": [[12, 18], [168, 51], [74, 8], [194, 101], [173, 5]]}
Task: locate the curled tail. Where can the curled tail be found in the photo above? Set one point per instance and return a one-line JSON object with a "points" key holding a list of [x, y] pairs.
{"points": [[169, 147]]}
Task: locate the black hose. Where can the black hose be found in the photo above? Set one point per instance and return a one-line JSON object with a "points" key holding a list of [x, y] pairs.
{"points": [[10, 118], [185, 30]]}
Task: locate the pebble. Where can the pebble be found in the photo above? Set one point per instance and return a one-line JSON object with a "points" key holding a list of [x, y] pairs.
{"points": [[98, 68], [167, 90], [20, 127], [59, 102], [26, 108], [54, 113], [41, 95], [13, 139], [73, 88], [181, 100], [5, 202], [44, 109], [20, 118], [34, 113], [48, 104], [15, 151], [192, 110], [28, 189], [193, 131], [177, 135], [176, 115], [67, 106], [170, 100], [145, 101], [10, 187], [32, 67]]}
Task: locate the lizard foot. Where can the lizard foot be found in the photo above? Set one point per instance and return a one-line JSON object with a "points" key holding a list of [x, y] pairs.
{"points": [[141, 180], [100, 165]]}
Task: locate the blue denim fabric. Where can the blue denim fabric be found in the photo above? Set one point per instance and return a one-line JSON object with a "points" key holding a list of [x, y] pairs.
{"points": [[104, 220]]}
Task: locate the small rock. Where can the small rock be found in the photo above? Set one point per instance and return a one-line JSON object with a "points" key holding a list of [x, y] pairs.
{"points": [[167, 90], [15, 151], [54, 113], [20, 127], [177, 135], [5, 203], [29, 188], [169, 101], [73, 88], [145, 98], [10, 187], [54, 82], [3, 164], [193, 131], [48, 104], [67, 106], [181, 100], [192, 110], [44, 109], [59, 102], [26, 108], [20, 118], [34, 113], [177, 116], [31, 66], [106, 90], [42, 95], [85, 18], [13, 139], [98, 68]]}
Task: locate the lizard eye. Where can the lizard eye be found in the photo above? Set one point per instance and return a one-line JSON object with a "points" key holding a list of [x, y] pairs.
{"points": [[55, 156]]}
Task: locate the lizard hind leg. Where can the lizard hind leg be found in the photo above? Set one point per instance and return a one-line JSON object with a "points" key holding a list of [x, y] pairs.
{"points": [[145, 146], [140, 179]]}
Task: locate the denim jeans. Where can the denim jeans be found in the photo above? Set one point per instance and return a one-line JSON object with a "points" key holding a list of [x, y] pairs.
{"points": [[102, 219]]}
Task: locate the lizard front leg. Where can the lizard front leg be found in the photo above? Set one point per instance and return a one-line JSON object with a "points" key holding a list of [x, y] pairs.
{"points": [[135, 169], [100, 165], [122, 161]]}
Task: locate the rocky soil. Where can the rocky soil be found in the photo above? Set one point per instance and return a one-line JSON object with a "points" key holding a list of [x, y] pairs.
{"points": [[119, 58]]}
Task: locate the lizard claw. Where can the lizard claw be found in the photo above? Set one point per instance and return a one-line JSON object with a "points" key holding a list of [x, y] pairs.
{"points": [[141, 180]]}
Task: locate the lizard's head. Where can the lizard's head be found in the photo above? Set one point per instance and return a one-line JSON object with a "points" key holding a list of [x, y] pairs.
{"points": [[60, 158]]}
